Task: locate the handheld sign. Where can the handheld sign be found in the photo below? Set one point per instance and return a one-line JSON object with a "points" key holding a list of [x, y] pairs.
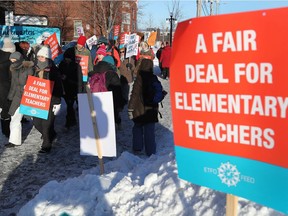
{"points": [[102, 109], [83, 62], [229, 103], [36, 97], [52, 41]]}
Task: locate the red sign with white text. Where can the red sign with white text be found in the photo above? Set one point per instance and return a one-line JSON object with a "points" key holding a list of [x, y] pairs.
{"points": [[83, 62], [52, 41], [229, 85], [36, 97]]}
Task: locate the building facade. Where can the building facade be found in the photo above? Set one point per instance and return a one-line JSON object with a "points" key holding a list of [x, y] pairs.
{"points": [[94, 17]]}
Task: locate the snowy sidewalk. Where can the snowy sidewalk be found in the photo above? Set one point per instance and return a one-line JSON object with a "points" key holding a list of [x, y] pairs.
{"points": [[24, 171]]}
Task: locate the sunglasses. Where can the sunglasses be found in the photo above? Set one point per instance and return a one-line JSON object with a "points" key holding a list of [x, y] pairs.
{"points": [[121, 51]]}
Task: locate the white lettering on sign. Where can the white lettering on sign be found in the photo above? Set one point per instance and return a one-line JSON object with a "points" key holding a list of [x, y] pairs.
{"points": [[253, 72], [241, 41], [269, 106], [38, 83], [239, 134], [200, 44], [205, 74]]}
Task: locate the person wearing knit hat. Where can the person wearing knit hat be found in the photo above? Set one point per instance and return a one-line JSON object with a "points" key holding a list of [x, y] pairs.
{"points": [[112, 84], [8, 46], [81, 42], [101, 50], [100, 54], [20, 70], [46, 69], [109, 59], [82, 57], [45, 52]]}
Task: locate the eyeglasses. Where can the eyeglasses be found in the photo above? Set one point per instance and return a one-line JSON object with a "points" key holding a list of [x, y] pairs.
{"points": [[121, 51]]}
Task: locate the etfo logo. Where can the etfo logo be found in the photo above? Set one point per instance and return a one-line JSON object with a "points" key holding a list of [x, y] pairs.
{"points": [[228, 174]]}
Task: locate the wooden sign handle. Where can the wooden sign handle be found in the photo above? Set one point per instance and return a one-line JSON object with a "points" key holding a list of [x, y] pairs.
{"points": [[95, 128], [231, 205]]}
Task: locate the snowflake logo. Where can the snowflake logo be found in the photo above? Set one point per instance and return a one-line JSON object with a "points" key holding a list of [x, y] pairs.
{"points": [[228, 174]]}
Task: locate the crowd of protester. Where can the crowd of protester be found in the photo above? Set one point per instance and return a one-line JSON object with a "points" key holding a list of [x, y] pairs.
{"points": [[19, 60]]}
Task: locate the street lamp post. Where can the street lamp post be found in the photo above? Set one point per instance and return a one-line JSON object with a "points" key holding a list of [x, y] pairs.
{"points": [[171, 19]]}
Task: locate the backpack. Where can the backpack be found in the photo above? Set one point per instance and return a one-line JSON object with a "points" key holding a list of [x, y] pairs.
{"points": [[98, 82], [155, 92]]}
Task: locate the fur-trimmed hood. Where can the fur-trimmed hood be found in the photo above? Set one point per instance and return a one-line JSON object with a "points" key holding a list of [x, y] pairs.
{"points": [[25, 65]]}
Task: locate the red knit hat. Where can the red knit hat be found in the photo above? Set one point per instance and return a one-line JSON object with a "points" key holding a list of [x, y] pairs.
{"points": [[101, 50], [81, 40]]}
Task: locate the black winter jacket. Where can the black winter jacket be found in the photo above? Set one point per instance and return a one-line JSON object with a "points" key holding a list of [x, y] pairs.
{"points": [[72, 78], [5, 80], [52, 73]]}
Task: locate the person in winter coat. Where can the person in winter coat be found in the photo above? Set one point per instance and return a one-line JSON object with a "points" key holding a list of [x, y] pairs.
{"points": [[158, 54], [100, 54], [112, 84], [72, 80], [46, 69], [20, 70], [81, 51], [26, 50], [126, 73], [102, 41], [5, 82], [143, 113], [145, 53], [165, 60]]}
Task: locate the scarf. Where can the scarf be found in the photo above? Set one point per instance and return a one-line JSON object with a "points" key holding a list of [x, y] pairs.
{"points": [[42, 65]]}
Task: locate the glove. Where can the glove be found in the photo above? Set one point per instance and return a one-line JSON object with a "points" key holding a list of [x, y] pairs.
{"points": [[56, 109], [130, 113]]}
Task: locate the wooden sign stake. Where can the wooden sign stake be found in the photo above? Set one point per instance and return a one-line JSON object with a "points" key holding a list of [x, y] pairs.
{"points": [[231, 205], [96, 132]]}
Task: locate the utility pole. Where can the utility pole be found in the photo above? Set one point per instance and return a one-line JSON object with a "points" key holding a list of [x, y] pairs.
{"points": [[199, 8]]}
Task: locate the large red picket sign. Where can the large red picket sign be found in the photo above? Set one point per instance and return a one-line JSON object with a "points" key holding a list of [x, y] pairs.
{"points": [[230, 85]]}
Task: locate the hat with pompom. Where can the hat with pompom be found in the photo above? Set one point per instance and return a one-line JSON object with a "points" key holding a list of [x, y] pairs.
{"points": [[8, 46], [101, 50]]}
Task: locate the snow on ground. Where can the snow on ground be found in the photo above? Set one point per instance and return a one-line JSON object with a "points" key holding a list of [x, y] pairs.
{"points": [[132, 184]]}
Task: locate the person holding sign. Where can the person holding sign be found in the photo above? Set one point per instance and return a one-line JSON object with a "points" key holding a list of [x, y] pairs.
{"points": [[83, 58], [46, 69], [20, 70]]}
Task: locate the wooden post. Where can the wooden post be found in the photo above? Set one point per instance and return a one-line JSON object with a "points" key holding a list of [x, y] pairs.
{"points": [[95, 128], [231, 205]]}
